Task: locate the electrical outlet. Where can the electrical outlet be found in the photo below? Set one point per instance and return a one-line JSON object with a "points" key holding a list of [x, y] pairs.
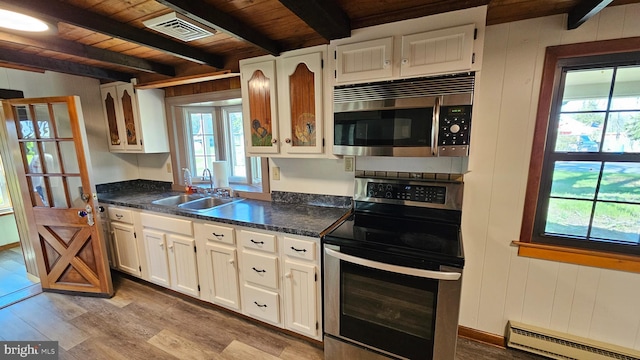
{"points": [[275, 173], [349, 162], [169, 168]]}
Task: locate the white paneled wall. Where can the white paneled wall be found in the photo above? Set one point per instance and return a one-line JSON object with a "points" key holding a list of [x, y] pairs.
{"points": [[498, 285]]}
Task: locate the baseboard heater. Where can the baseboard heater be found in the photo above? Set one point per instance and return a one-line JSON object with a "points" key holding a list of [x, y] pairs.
{"points": [[558, 345]]}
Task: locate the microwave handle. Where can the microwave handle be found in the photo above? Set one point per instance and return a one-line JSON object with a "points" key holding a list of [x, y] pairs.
{"points": [[429, 274], [435, 127]]}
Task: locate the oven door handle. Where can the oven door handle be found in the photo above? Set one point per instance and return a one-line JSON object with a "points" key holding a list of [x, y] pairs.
{"points": [[429, 274]]}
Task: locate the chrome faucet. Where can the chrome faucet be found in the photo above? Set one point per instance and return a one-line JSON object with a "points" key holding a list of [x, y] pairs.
{"points": [[206, 170]]}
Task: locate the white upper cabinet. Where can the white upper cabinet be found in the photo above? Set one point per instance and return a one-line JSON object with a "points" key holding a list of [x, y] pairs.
{"points": [[283, 103], [437, 52], [135, 119], [434, 45], [366, 60]]}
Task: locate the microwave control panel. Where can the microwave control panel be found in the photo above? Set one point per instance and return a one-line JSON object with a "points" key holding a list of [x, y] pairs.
{"points": [[420, 193], [455, 126]]}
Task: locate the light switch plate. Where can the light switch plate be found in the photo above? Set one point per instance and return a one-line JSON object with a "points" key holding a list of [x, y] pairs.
{"points": [[275, 173], [349, 163]]}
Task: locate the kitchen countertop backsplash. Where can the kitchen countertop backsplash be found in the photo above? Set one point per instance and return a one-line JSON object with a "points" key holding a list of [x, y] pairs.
{"points": [[294, 213]]}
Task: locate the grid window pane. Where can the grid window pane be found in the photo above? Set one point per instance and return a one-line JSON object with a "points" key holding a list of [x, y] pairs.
{"points": [[579, 132], [626, 91], [623, 132], [575, 179], [236, 137], [568, 217], [203, 140], [587, 90], [617, 222], [620, 182]]}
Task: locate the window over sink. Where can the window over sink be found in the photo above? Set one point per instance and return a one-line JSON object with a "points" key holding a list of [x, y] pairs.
{"points": [[207, 128]]}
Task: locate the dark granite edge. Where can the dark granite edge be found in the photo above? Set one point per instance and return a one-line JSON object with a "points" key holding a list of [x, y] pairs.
{"points": [[171, 211], [311, 199]]}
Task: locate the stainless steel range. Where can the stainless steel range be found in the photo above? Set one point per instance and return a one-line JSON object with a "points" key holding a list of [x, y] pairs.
{"points": [[393, 272]]}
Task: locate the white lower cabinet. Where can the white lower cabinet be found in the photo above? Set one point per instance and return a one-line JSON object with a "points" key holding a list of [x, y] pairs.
{"points": [[260, 269], [218, 264], [221, 263], [272, 277], [302, 286], [171, 253], [125, 245], [301, 297], [155, 244], [262, 304]]}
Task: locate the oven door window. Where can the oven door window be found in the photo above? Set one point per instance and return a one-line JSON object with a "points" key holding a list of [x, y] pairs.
{"points": [[399, 127], [391, 312]]}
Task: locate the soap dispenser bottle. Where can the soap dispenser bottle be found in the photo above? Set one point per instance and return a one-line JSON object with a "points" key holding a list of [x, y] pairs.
{"points": [[188, 185]]}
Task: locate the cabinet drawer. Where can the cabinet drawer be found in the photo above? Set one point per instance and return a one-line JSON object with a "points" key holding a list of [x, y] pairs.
{"points": [[262, 304], [168, 224], [219, 233], [119, 214], [258, 241], [260, 269], [302, 249]]}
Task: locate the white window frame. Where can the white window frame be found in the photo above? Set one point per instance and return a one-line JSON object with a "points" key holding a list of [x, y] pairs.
{"points": [[5, 204]]}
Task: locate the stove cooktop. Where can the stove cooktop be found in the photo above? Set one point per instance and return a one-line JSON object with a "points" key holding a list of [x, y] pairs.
{"points": [[432, 241]]}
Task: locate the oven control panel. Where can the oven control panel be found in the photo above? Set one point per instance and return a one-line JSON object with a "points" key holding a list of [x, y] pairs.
{"points": [[420, 193]]}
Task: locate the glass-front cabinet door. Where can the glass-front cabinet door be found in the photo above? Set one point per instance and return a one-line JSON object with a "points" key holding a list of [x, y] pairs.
{"points": [[300, 95]]}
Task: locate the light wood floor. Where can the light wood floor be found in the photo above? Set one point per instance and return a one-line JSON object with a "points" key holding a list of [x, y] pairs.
{"points": [[14, 283], [142, 322], [13, 274]]}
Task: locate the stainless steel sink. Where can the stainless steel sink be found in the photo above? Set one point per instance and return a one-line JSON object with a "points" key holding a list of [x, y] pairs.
{"points": [[177, 199], [206, 203]]}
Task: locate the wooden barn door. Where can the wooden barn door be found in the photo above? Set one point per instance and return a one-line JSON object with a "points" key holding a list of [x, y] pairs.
{"points": [[50, 151]]}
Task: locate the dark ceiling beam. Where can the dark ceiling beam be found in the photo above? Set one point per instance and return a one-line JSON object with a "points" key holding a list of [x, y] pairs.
{"points": [[63, 66], [90, 52], [583, 11], [323, 16], [207, 15], [59, 11]]}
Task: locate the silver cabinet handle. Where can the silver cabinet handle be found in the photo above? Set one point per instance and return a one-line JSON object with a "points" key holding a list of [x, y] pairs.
{"points": [[429, 274]]}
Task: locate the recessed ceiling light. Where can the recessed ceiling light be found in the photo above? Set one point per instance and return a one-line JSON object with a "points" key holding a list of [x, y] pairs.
{"points": [[16, 21]]}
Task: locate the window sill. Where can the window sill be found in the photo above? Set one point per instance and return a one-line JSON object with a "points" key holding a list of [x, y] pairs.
{"points": [[579, 257], [6, 211]]}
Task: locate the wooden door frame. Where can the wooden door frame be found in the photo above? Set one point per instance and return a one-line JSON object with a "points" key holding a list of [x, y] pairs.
{"points": [[15, 192]]}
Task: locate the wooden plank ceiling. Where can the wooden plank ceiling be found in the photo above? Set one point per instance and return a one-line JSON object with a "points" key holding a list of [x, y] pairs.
{"points": [[107, 39]]}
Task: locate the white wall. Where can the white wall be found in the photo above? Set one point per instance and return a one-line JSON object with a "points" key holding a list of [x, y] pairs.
{"points": [[312, 176], [8, 229], [498, 285], [107, 167]]}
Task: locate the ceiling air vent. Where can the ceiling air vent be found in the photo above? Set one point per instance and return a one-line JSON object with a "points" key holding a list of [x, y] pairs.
{"points": [[179, 27]]}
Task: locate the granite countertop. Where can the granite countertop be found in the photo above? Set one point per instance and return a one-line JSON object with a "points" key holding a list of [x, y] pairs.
{"points": [[301, 218]]}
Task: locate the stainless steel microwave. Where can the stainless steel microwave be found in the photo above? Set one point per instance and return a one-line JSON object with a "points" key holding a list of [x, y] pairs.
{"points": [[412, 117]]}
